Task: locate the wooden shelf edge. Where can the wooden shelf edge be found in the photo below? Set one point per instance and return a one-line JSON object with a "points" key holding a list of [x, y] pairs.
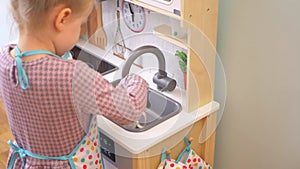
{"points": [[164, 32]]}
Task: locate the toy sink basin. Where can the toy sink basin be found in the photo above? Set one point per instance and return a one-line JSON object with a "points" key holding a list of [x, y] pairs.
{"points": [[159, 108]]}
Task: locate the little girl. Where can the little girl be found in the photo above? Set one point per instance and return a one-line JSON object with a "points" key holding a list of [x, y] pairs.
{"points": [[50, 101]]}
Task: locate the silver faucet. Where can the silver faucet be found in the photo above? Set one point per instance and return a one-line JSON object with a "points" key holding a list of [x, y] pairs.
{"points": [[161, 79]]}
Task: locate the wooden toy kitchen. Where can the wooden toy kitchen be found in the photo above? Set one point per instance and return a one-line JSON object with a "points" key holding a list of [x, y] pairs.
{"points": [[115, 30]]}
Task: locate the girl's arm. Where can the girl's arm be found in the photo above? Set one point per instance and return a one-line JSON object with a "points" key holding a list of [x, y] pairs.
{"points": [[95, 95]]}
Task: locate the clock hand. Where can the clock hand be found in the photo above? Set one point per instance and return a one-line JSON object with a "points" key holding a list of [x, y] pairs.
{"points": [[132, 13]]}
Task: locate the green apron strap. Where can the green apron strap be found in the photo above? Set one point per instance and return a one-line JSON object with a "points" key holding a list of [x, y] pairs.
{"points": [[164, 155], [23, 153], [16, 151], [185, 151], [22, 77]]}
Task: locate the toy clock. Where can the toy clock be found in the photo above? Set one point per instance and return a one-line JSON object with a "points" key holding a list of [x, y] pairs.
{"points": [[134, 16]]}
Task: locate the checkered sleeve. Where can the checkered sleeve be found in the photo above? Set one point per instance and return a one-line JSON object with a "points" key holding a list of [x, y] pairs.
{"points": [[137, 88], [95, 95], [2, 53]]}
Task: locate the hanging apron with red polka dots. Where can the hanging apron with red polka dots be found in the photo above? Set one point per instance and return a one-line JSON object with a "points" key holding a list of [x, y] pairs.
{"points": [[86, 155], [168, 163], [187, 159]]}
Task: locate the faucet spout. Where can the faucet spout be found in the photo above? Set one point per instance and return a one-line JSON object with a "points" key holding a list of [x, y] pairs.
{"points": [[140, 51], [161, 79]]}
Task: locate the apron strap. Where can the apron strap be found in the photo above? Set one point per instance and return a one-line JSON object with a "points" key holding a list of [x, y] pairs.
{"points": [[66, 55], [187, 142], [23, 153], [22, 77], [185, 151], [164, 155], [16, 151]]}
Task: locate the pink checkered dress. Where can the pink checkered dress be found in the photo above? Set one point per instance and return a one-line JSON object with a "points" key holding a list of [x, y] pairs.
{"points": [[43, 118]]}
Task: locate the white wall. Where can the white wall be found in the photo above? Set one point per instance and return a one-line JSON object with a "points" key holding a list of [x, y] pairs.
{"points": [[258, 42], [7, 29]]}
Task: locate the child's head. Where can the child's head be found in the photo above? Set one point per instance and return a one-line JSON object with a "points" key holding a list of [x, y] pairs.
{"points": [[47, 16], [33, 12]]}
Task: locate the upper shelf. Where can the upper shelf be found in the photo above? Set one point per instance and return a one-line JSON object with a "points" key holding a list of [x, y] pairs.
{"points": [[166, 7], [165, 32]]}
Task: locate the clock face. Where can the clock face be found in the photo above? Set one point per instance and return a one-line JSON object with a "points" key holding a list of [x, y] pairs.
{"points": [[134, 16]]}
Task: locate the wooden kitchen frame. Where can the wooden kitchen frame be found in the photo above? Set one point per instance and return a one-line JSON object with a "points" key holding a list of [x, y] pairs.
{"points": [[203, 14]]}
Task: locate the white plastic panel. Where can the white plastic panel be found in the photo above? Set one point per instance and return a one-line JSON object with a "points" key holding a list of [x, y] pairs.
{"points": [[172, 6]]}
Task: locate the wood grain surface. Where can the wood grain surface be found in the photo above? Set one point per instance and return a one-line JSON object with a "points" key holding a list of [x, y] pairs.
{"points": [[5, 135]]}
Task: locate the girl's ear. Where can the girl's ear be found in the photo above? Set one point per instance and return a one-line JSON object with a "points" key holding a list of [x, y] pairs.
{"points": [[62, 18]]}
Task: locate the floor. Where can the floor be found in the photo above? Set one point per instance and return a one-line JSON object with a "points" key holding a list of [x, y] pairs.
{"points": [[5, 135]]}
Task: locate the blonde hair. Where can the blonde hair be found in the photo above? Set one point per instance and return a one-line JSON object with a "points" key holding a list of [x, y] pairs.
{"points": [[32, 12]]}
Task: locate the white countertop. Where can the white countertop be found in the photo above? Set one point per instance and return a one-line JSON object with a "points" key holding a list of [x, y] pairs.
{"points": [[141, 141], [137, 142]]}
